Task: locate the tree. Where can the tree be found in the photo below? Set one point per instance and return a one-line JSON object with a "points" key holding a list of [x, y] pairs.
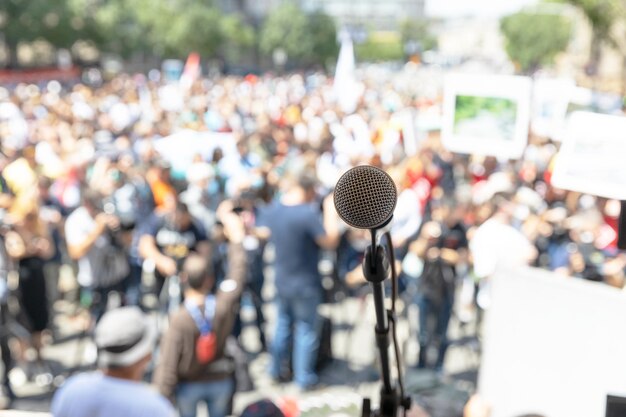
{"points": [[380, 47], [418, 32], [54, 21], [533, 39], [323, 32], [117, 29], [307, 39], [169, 28], [602, 16], [239, 37]]}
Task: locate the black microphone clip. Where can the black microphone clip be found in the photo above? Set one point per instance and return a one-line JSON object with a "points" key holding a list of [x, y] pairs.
{"points": [[376, 266]]}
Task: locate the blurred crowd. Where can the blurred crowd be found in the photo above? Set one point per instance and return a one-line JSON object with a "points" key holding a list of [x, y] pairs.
{"points": [[83, 183]]}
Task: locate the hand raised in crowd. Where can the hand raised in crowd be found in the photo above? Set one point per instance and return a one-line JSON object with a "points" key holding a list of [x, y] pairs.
{"points": [[233, 223]]}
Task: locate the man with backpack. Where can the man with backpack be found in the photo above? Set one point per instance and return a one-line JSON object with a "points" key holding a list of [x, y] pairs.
{"points": [[193, 366]]}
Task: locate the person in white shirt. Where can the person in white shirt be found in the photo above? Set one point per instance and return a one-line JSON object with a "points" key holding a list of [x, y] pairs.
{"points": [[497, 244], [87, 232], [125, 340]]}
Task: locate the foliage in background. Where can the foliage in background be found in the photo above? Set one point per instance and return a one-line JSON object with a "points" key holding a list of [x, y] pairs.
{"points": [[323, 31], [380, 46], [533, 39], [603, 16], [418, 31], [307, 39], [55, 21]]}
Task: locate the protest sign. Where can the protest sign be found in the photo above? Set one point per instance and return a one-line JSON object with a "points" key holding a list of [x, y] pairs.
{"points": [[551, 97], [552, 345], [486, 115], [180, 148], [591, 158], [585, 99]]}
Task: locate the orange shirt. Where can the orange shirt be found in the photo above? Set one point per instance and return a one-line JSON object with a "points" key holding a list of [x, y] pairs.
{"points": [[162, 193]]}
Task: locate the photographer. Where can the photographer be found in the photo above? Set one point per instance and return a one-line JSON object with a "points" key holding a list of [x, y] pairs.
{"points": [[254, 243], [102, 263], [442, 245], [167, 238]]}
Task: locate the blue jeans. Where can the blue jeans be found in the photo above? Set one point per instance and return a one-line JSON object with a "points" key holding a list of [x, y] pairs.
{"points": [[215, 394], [297, 316], [439, 313]]}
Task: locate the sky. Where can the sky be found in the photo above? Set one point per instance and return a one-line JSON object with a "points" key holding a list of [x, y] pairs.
{"points": [[477, 8]]}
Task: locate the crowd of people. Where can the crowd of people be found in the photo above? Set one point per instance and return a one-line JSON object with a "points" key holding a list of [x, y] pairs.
{"points": [[83, 183]]}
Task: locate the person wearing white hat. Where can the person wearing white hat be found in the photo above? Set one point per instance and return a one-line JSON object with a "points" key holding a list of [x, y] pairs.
{"points": [[125, 340]]}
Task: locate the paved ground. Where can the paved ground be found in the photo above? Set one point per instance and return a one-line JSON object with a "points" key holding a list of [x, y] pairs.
{"points": [[351, 376]]}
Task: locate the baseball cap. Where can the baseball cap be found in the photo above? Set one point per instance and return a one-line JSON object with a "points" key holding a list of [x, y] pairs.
{"points": [[123, 337]]}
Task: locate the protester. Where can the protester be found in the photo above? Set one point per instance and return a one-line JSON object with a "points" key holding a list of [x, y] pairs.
{"points": [[442, 245], [297, 233], [193, 364], [168, 237], [92, 241], [7, 360], [96, 154], [30, 246], [496, 243], [255, 244], [125, 339]]}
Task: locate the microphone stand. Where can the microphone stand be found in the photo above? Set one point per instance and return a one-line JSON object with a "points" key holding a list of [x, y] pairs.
{"points": [[376, 269]]}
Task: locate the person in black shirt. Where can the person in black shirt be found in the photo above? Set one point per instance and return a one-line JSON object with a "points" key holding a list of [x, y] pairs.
{"points": [[167, 238], [442, 245]]}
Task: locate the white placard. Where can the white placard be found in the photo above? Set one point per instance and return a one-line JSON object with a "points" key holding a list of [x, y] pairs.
{"points": [[549, 105], [584, 99], [180, 148], [552, 345], [486, 114], [592, 157]]}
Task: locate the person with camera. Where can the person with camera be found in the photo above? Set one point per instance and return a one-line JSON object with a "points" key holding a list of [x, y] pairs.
{"points": [[194, 366], [166, 239], [91, 238], [254, 243], [442, 244]]}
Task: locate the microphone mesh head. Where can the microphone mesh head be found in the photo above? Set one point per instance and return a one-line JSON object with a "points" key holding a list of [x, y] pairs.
{"points": [[365, 197]]}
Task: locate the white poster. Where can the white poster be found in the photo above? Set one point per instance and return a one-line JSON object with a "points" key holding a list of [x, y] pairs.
{"points": [[592, 157], [552, 345], [549, 105], [486, 114], [180, 148], [584, 99]]}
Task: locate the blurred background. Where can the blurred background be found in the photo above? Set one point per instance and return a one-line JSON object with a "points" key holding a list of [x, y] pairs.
{"points": [[500, 122], [581, 39]]}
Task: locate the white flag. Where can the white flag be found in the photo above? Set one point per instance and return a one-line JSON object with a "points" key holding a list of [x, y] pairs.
{"points": [[345, 87]]}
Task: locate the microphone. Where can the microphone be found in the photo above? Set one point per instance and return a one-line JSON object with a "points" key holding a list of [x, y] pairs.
{"points": [[365, 197]]}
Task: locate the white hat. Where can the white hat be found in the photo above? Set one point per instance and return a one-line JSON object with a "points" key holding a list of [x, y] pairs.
{"points": [[124, 337]]}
